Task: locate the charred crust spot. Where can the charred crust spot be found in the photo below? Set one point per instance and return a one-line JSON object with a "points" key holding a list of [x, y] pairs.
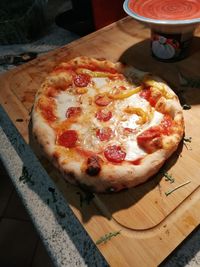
{"points": [[71, 175], [93, 165], [55, 156], [41, 146]]}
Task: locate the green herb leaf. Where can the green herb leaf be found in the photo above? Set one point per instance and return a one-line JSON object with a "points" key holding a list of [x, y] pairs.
{"points": [[107, 237], [186, 106], [174, 189], [168, 177], [26, 177], [187, 140]]}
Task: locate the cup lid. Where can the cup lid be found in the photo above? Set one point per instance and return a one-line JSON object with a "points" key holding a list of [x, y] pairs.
{"points": [[174, 6]]}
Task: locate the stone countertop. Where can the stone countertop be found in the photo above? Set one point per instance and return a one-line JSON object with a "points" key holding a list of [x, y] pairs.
{"points": [[66, 240], [64, 237]]}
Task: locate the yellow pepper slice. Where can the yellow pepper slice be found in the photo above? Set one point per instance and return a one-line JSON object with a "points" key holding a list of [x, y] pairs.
{"points": [[95, 74], [81, 90], [158, 85], [138, 111], [125, 94]]}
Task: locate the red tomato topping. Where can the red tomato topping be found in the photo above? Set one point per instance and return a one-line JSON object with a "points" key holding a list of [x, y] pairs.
{"points": [[122, 87], [104, 134], [166, 124], [102, 100], [82, 80], [149, 134], [136, 161], [73, 112], [114, 154], [68, 138], [103, 115], [149, 140], [146, 94]]}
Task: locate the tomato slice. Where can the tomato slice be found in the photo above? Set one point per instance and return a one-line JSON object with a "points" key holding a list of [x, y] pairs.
{"points": [[166, 124], [102, 100], [104, 134], [68, 138], [149, 134], [136, 161], [114, 154], [82, 80], [149, 140], [73, 112], [146, 94], [103, 115]]}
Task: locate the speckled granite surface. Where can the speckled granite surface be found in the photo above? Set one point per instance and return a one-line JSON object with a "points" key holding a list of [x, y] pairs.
{"points": [[65, 239]]}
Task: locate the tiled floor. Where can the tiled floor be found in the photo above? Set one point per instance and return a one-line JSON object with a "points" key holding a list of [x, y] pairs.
{"points": [[20, 245]]}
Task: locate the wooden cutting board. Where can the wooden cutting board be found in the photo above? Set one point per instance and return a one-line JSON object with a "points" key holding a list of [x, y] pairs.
{"points": [[148, 220]]}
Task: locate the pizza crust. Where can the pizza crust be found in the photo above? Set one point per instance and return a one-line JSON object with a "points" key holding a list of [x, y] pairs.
{"points": [[112, 177]]}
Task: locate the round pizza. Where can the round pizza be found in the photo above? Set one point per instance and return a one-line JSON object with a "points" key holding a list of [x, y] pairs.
{"points": [[106, 126]]}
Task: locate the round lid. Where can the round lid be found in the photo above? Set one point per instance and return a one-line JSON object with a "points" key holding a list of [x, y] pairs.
{"points": [[164, 11]]}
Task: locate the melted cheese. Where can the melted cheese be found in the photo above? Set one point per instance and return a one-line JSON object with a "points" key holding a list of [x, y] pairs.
{"points": [[87, 124], [133, 151], [100, 82], [64, 101]]}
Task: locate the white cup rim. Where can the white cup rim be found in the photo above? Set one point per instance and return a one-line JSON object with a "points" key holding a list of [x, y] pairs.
{"points": [[156, 21]]}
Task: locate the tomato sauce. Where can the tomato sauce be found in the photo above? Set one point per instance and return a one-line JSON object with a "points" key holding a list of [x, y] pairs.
{"points": [[47, 108], [147, 94], [166, 9]]}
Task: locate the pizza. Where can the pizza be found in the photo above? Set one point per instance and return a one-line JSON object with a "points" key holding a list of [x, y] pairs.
{"points": [[106, 126]]}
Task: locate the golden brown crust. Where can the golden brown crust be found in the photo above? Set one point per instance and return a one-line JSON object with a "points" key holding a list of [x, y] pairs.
{"points": [[95, 171]]}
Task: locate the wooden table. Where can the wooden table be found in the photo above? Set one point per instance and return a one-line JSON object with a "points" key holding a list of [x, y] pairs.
{"points": [[148, 220]]}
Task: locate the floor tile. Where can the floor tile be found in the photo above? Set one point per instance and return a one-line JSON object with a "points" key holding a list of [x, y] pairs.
{"points": [[41, 257], [6, 189], [18, 241]]}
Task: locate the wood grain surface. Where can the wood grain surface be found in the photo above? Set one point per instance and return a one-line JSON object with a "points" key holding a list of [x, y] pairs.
{"points": [[148, 220]]}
